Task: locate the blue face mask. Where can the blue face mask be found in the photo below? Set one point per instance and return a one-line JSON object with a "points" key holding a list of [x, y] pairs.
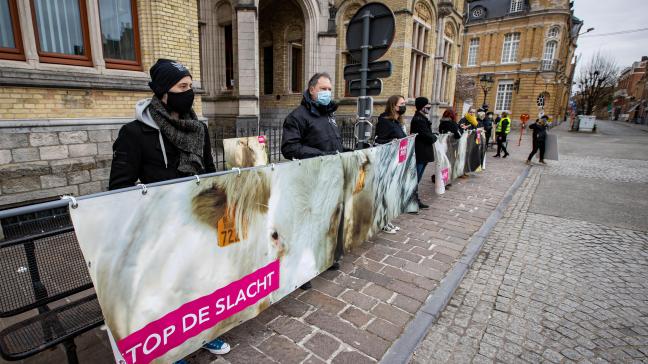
{"points": [[324, 97]]}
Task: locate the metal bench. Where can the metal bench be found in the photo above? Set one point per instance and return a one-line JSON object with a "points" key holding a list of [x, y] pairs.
{"points": [[42, 269]]}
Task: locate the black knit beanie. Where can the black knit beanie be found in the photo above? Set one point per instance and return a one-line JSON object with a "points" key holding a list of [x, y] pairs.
{"points": [[421, 102], [165, 73]]}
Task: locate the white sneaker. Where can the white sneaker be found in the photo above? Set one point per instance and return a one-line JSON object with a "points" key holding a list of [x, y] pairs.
{"points": [[393, 227], [388, 230]]}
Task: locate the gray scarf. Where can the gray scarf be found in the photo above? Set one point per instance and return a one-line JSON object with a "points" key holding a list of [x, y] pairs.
{"points": [[187, 133]]}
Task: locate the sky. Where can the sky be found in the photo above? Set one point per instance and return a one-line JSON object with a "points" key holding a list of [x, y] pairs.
{"points": [[608, 16]]}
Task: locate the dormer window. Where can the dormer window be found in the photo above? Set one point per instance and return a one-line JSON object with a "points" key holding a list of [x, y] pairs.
{"points": [[517, 6], [553, 32]]}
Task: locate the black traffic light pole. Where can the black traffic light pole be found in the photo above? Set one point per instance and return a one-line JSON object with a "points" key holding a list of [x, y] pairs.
{"points": [[363, 124]]}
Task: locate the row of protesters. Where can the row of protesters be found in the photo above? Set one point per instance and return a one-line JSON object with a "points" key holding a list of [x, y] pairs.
{"points": [[165, 141]]}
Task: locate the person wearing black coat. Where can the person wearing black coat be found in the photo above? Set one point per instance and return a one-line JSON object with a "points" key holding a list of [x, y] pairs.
{"points": [[310, 130], [390, 122], [488, 127], [448, 124], [424, 141], [166, 141], [539, 137], [390, 127]]}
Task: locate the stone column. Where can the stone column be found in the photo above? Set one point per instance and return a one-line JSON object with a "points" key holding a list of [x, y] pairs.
{"points": [[445, 8], [247, 65]]}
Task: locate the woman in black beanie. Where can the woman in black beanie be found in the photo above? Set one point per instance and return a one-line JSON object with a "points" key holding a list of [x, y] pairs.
{"points": [[166, 141]]}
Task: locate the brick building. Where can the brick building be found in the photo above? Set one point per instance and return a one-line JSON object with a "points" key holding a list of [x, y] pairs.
{"points": [[526, 48], [629, 96], [72, 71], [70, 74]]}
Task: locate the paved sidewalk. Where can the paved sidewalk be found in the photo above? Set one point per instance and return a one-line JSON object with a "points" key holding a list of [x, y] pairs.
{"points": [[355, 314], [563, 278]]}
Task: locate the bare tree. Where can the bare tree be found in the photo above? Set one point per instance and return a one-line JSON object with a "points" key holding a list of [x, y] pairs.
{"points": [[465, 87], [596, 81]]}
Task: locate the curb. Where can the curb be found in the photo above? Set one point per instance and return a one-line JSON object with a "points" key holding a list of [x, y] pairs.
{"points": [[402, 349]]}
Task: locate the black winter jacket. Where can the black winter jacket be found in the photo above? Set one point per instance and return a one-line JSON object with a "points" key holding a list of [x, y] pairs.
{"points": [[449, 126], [388, 130], [423, 144], [137, 156], [310, 131], [539, 132]]}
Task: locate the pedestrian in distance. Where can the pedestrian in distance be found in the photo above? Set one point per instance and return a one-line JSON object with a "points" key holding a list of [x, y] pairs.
{"points": [[424, 141], [391, 127], [539, 137], [310, 131], [501, 132], [166, 141], [488, 127]]}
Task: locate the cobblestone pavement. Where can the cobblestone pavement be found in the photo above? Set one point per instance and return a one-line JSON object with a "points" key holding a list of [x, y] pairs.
{"points": [[610, 169], [551, 289]]}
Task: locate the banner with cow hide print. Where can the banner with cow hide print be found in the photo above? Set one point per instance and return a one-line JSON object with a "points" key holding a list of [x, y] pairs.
{"points": [[180, 265], [245, 152], [455, 157], [379, 185], [177, 265]]}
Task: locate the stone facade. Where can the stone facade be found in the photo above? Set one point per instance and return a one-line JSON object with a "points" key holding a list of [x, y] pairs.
{"points": [[538, 74], [40, 161]]}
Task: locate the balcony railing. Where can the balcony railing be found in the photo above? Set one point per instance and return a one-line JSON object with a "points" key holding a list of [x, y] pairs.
{"points": [[549, 65]]}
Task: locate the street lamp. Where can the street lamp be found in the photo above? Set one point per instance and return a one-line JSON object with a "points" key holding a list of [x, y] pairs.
{"points": [[486, 82]]}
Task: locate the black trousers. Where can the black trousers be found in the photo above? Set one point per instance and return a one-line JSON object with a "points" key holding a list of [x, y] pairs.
{"points": [[538, 145], [488, 136], [501, 143]]}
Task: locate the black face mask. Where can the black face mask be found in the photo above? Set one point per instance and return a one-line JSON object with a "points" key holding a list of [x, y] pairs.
{"points": [[180, 102], [401, 110]]}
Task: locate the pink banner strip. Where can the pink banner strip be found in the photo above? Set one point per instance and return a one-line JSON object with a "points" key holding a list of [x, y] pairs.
{"points": [[192, 318], [402, 151]]}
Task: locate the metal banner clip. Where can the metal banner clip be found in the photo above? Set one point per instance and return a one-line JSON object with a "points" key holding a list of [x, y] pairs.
{"points": [[73, 202], [143, 187]]}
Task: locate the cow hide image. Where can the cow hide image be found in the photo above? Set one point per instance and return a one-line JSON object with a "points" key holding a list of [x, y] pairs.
{"points": [[378, 187], [245, 152], [151, 255]]}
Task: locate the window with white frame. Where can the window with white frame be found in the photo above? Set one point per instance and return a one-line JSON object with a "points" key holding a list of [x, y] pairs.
{"points": [[517, 6], [504, 96], [553, 32], [548, 54], [446, 69], [473, 49], [511, 46], [420, 58]]}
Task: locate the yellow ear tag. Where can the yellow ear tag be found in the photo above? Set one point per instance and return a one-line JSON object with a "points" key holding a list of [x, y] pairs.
{"points": [[227, 229]]}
